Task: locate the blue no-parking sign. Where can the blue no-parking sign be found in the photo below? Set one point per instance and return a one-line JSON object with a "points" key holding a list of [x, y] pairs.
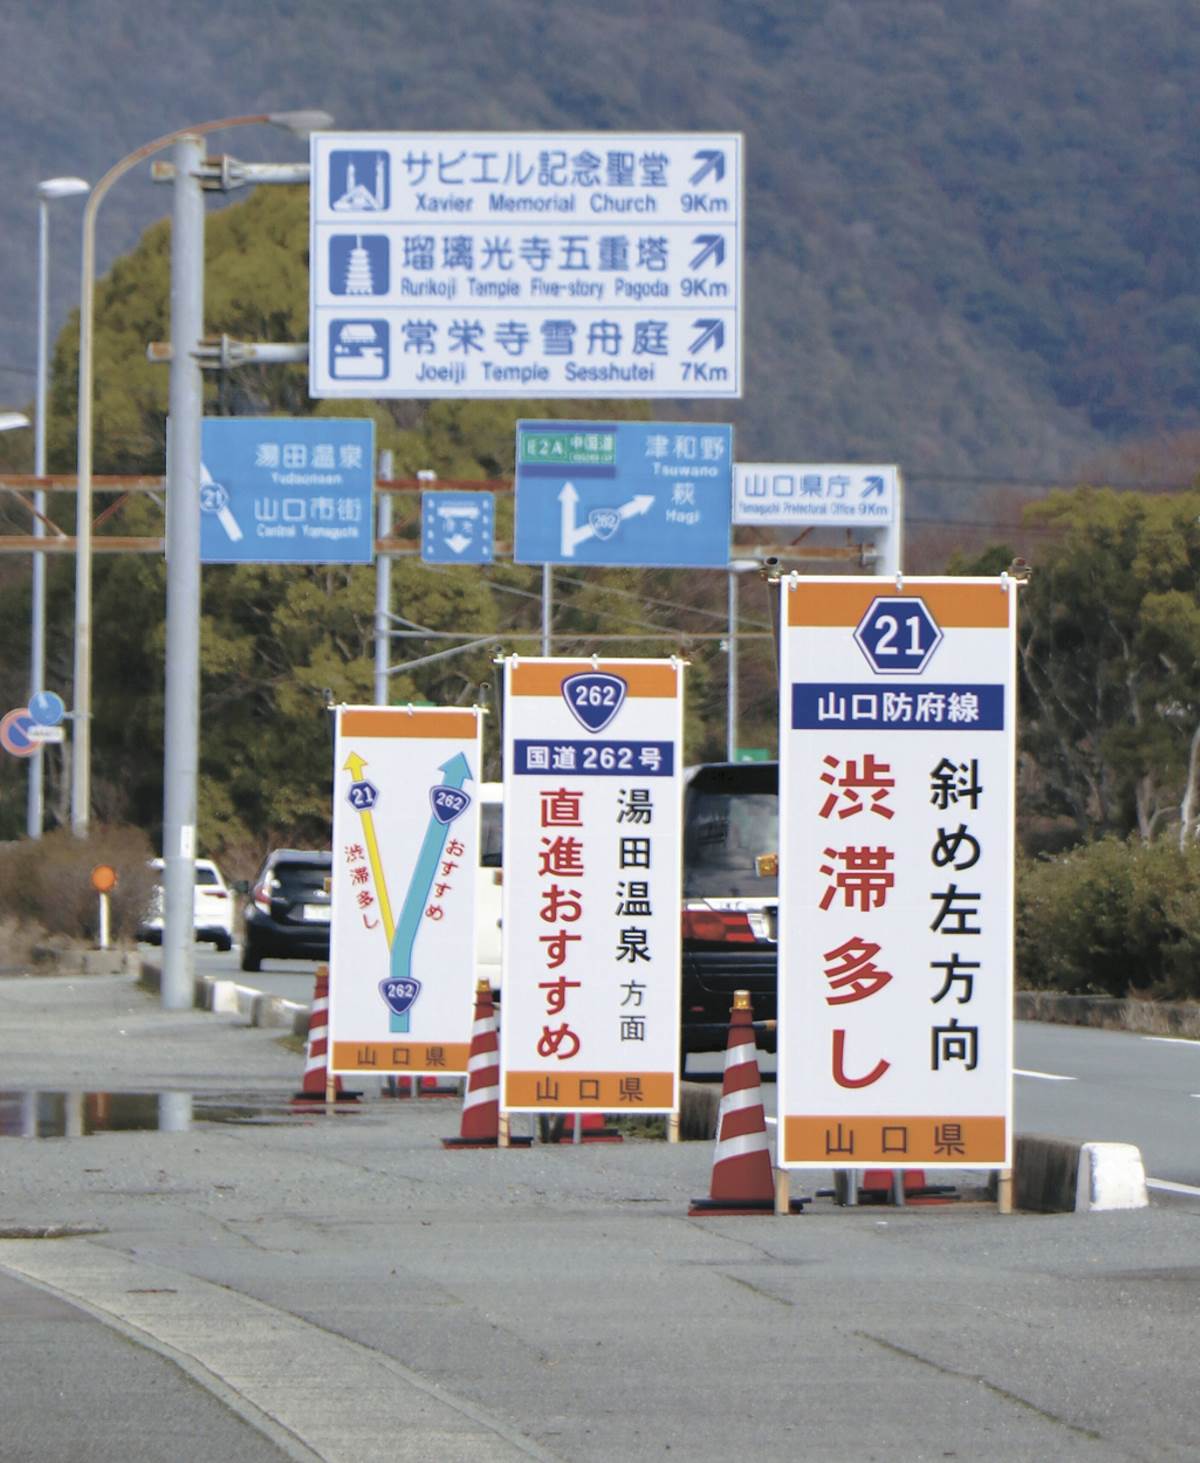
{"points": [[643, 494], [281, 490]]}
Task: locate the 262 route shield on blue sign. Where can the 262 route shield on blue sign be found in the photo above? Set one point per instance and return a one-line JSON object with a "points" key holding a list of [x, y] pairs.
{"points": [[636, 494], [280, 490]]}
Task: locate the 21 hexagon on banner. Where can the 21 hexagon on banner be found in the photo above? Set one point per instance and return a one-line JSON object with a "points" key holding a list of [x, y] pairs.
{"points": [[898, 635]]}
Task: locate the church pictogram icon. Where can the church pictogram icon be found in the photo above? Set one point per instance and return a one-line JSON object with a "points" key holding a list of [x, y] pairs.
{"points": [[358, 182]]}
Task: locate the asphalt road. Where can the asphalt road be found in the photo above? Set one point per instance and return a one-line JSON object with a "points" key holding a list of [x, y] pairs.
{"points": [[1071, 1082], [350, 1291]]}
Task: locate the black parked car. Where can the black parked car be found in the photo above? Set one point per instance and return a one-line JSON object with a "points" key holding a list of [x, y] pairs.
{"points": [[730, 898], [287, 917]]}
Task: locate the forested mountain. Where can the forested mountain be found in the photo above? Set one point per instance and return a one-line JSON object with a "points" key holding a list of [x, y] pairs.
{"points": [[969, 251], [970, 222]]}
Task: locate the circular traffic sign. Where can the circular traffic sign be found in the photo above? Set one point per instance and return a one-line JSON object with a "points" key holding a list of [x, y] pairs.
{"points": [[104, 878], [14, 729], [47, 708]]}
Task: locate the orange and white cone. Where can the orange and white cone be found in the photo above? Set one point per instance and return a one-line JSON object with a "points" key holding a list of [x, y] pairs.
{"points": [[743, 1181], [481, 1101], [316, 1084]]}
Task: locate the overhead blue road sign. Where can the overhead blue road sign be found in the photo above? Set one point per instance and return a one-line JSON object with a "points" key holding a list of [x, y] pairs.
{"points": [[581, 264], [282, 490], [647, 494], [457, 528]]}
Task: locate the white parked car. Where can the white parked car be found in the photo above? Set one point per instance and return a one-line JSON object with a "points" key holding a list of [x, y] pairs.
{"points": [[212, 911]]}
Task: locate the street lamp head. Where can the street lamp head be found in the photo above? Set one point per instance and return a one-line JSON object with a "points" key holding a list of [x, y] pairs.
{"points": [[301, 123], [11, 419], [62, 187]]}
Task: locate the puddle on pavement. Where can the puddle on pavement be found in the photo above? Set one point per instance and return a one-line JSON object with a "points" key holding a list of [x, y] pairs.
{"points": [[35, 1114]]}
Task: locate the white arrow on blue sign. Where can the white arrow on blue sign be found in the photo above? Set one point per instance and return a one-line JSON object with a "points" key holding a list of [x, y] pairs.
{"points": [[457, 528], [279, 490], [643, 494]]}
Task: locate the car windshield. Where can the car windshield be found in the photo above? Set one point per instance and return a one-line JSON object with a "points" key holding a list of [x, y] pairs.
{"points": [[731, 818]]}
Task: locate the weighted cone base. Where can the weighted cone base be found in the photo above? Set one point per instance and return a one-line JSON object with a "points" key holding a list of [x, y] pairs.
{"points": [[523, 1142], [716, 1207], [320, 1097]]}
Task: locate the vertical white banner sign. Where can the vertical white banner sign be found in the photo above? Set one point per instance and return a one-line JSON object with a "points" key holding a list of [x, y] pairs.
{"points": [[405, 852], [897, 746], [592, 792]]}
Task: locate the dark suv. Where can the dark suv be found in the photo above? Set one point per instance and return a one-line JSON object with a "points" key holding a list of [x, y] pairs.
{"points": [[730, 898], [287, 917]]}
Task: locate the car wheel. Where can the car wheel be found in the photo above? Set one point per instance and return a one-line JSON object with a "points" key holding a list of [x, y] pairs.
{"points": [[223, 943], [251, 959]]}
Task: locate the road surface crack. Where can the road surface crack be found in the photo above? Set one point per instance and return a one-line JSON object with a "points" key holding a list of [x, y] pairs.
{"points": [[1002, 1392]]}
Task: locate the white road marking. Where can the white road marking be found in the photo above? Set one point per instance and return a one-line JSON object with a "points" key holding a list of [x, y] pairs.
{"points": [[1043, 1076], [1171, 1188], [1174, 1040]]}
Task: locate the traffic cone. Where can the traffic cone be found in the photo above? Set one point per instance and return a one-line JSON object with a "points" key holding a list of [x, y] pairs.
{"points": [[743, 1181], [481, 1101], [316, 1084], [879, 1187]]}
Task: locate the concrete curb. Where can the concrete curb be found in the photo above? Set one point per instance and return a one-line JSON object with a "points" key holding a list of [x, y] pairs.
{"points": [[229, 998], [93, 962], [1066, 1176]]}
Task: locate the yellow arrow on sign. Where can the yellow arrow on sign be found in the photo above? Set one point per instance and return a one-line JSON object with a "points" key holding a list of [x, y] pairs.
{"points": [[354, 765]]}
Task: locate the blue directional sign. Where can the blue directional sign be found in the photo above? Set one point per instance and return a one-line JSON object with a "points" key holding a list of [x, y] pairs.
{"points": [[280, 490], [457, 528], [645, 494], [517, 264]]}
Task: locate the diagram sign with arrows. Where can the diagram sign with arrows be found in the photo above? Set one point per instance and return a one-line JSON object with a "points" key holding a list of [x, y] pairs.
{"points": [[405, 852], [649, 494]]}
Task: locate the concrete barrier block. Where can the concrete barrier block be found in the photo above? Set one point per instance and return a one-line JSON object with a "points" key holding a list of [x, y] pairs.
{"points": [[275, 1011], [222, 997], [1045, 1173], [1067, 1176], [698, 1106], [1111, 1176]]}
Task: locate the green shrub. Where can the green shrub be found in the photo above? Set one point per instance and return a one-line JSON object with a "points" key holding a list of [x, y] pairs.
{"points": [[1111, 918], [46, 882]]}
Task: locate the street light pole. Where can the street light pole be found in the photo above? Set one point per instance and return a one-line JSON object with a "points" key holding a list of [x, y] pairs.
{"points": [[47, 190], [736, 567], [181, 731], [81, 765], [182, 710]]}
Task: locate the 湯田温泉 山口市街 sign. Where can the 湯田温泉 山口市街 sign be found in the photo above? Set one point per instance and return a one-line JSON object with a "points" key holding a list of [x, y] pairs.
{"points": [[282, 490]]}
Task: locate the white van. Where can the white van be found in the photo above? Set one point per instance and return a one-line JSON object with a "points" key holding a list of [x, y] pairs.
{"points": [[488, 881]]}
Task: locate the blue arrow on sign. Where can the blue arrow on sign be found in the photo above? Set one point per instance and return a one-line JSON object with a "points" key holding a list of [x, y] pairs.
{"points": [[711, 160], [710, 330], [401, 989], [712, 246]]}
